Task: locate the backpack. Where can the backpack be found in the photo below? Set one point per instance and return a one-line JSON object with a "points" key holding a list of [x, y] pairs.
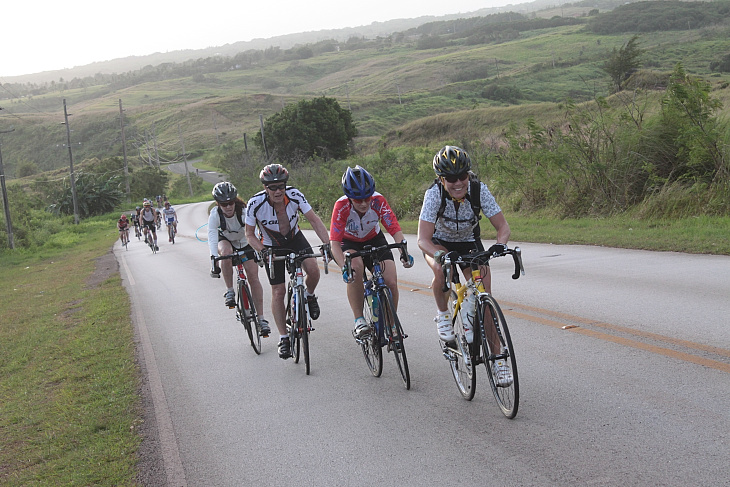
{"points": [[473, 196], [222, 218]]}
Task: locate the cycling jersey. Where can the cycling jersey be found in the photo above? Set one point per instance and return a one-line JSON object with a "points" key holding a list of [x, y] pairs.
{"points": [[148, 215], [347, 224], [169, 214], [234, 232], [458, 221], [260, 212], [122, 224]]}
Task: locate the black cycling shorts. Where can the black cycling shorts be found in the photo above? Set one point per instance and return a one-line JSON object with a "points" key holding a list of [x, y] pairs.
{"points": [[377, 241], [298, 242]]}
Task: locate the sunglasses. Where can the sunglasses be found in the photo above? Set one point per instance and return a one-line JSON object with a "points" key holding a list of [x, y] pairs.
{"points": [[276, 187], [227, 203], [360, 202], [460, 177]]}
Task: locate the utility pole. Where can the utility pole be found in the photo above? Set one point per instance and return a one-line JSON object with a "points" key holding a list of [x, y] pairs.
{"points": [[263, 139], [124, 151], [71, 164], [185, 159], [6, 203]]}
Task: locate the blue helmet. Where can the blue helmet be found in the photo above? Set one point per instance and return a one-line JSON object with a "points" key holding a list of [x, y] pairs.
{"points": [[357, 183]]}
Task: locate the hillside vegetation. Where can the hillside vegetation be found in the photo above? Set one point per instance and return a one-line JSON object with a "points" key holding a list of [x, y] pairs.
{"points": [[526, 94]]}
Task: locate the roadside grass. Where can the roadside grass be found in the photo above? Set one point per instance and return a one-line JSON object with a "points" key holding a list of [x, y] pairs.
{"points": [[68, 379]]}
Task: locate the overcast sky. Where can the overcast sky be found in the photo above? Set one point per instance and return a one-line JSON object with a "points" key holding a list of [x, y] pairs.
{"points": [[54, 34]]}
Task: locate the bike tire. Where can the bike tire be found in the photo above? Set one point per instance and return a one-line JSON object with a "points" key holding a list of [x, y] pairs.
{"points": [[508, 398], [394, 333], [294, 326], [248, 317], [371, 349], [460, 355], [303, 327]]}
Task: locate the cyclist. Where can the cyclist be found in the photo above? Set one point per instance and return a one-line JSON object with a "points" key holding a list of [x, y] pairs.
{"points": [[355, 223], [170, 217], [226, 231], [135, 221], [449, 221], [148, 218], [275, 212], [123, 226]]}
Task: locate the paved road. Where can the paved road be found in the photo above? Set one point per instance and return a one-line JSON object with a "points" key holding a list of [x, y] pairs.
{"points": [[209, 176], [635, 392]]}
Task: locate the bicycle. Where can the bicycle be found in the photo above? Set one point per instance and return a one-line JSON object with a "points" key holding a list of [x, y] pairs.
{"points": [[379, 312], [125, 238], [245, 307], [171, 232], [137, 230], [298, 323], [489, 330], [150, 240]]}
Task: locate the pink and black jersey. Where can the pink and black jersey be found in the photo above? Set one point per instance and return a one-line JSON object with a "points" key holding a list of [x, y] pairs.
{"points": [[347, 224]]}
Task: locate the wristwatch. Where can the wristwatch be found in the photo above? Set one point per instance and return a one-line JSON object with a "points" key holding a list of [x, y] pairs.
{"points": [[437, 255]]}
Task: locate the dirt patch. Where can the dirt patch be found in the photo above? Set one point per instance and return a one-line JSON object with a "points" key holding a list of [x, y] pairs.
{"points": [[106, 267]]}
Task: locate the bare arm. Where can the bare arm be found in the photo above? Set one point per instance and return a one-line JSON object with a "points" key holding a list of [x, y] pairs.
{"points": [[499, 222]]}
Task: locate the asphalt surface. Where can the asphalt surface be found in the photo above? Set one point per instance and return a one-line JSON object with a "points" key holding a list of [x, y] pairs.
{"points": [[623, 357]]}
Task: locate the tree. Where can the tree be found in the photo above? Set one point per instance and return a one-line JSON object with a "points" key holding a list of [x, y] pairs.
{"points": [[623, 62], [310, 128]]}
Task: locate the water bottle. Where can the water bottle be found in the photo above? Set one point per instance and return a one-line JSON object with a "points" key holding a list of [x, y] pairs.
{"points": [[468, 311], [374, 306]]}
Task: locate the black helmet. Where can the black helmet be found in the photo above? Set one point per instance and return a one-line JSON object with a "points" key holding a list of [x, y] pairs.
{"points": [[451, 161], [357, 183], [274, 173], [224, 191]]}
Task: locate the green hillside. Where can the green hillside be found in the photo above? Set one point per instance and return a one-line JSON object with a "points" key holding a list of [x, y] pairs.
{"points": [[485, 75]]}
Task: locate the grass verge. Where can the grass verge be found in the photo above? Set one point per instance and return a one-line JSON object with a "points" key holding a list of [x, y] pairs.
{"points": [[68, 380]]}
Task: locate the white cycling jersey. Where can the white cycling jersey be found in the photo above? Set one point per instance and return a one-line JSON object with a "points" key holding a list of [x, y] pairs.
{"points": [[260, 212]]}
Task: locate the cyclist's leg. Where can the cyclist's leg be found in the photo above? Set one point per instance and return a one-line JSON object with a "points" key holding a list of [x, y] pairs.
{"points": [[225, 248], [278, 307], [257, 290], [489, 329], [390, 274], [355, 289]]}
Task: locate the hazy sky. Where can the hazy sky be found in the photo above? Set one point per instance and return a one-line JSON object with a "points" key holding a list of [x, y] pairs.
{"points": [[51, 34]]}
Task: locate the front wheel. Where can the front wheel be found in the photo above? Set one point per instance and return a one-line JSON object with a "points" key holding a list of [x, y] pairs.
{"points": [[370, 344], [497, 349], [247, 315], [459, 354], [394, 332], [293, 324], [303, 326]]}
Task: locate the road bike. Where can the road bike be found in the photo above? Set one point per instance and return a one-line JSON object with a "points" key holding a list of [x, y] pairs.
{"points": [[379, 312], [491, 341], [298, 323], [124, 235], [245, 307], [171, 232]]}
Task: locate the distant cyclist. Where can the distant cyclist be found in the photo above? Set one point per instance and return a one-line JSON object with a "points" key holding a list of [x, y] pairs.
{"points": [[170, 216], [123, 226], [135, 222], [226, 231], [356, 219], [148, 218]]}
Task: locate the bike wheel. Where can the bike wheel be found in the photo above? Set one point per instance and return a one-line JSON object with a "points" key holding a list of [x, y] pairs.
{"points": [[394, 332], [460, 356], [303, 327], [507, 396], [371, 349], [294, 334], [247, 315]]}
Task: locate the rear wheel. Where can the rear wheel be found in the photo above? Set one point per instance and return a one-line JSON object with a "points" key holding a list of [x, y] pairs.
{"points": [[394, 332], [248, 317], [370, 344], [460, 356], [507, 395]]}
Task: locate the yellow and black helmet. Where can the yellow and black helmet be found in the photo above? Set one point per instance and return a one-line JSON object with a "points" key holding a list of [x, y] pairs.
{"points": [[451, 161]]}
